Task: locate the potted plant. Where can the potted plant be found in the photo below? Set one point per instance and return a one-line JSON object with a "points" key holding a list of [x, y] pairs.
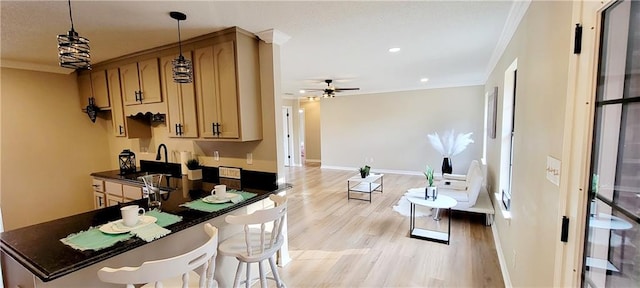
{"points": [[430, 191], [195, 170], [364, 171]]}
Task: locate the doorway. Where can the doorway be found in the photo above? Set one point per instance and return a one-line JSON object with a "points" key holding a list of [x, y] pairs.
{"points": [[287, 122]]}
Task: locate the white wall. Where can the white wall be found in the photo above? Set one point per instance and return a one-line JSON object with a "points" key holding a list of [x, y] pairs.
{"points": [[388, 131], [542, 45], [49, 147]]}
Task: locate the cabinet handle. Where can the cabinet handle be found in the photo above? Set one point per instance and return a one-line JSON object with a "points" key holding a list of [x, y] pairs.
{"points": [[218, 128], [140, 96], [137, 96], [181, 132], [120, 129], [95, 185], [177, 133], [213, 128]]}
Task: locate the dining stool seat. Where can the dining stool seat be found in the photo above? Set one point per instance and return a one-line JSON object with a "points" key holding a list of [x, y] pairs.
{"points": [[260, 240], [179, 271]]}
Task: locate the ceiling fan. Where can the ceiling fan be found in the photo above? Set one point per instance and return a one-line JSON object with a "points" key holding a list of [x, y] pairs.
{"points": [[330, 91]]}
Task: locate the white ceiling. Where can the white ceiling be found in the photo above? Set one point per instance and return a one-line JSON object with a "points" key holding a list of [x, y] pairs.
{"points": [[451, 43]]}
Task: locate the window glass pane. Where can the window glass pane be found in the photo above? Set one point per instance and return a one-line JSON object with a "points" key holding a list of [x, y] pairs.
{"points": [[632, 81], [613, 52], [605, 153], [612, 252], [627, 192]]}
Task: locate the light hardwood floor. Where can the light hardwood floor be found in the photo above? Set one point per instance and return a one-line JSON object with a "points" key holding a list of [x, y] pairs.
{"points": [[335, 242]]}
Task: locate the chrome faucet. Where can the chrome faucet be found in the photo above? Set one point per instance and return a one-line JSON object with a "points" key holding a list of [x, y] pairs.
{"points": [[166, 158]]}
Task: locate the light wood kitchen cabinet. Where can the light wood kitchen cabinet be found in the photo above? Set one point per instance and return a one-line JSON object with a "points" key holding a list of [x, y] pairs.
{"points": [[117, 112], [130, 193], [109, 193], [228, 89], [99, 200], [182, 121], [93, 84], [140, 82]]}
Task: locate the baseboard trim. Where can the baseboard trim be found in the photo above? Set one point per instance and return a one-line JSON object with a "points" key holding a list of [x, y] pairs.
{"points": [[390, 171], [501, 259], [312, 160]]}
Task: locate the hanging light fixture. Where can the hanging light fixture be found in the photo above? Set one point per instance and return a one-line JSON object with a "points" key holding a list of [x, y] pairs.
{"points": [[73, 50], [182, 68]]}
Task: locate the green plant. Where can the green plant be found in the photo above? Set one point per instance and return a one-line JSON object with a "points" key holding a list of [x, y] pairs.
{"points": [[429, 174], [193, 164], [364, 171]]}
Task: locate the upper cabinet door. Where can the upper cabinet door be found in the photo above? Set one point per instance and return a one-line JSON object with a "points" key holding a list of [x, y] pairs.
{"points": [[99, 86], [204, 75], [149, 74], [130, 84], [117, 113], [141, 82], [225, 71], [181, 101], [94, 85]]}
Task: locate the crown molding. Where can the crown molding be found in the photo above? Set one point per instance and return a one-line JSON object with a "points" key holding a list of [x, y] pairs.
{"points": [[34, 67], [516, 13], [273, 36]]}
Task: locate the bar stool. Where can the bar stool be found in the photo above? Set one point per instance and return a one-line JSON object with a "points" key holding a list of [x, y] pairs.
{"points": [[257, 244], [159, 271]]}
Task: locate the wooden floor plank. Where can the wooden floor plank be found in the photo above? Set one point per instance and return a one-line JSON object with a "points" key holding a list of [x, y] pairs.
{"points": [[335, 242]]}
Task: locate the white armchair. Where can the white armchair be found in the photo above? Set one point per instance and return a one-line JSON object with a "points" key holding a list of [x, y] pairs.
{"points": [[464, 188], [469, 190]]}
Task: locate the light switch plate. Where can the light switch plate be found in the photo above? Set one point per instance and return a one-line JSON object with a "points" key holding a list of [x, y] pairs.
{"points": [[553, 170], [249, 158], [216, 156]]}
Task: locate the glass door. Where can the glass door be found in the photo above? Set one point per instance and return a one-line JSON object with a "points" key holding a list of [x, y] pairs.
{"points": [[612, 244]]}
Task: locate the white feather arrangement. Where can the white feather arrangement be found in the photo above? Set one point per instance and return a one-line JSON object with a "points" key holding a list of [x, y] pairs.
{"points": [[449, 144]]}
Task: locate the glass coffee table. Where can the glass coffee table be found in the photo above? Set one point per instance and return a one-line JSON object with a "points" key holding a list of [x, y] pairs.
{"points": [[369, 184], [416, 197]]}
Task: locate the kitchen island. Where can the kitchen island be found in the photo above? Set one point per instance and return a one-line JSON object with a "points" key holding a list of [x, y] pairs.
{"points": [[34, 256]]}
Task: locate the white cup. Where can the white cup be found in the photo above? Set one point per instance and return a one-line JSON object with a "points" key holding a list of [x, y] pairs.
{"points": [[130, 215], [220, 191]]}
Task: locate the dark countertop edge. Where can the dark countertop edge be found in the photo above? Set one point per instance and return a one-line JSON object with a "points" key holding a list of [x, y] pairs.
{"points": [[175, 228]]}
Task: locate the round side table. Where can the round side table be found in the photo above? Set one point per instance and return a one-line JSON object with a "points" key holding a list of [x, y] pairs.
{"points": [[442, 202]]}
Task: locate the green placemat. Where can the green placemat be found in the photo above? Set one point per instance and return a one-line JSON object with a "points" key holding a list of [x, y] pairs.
{"points": [[94, 239], [209, 207], [164, 219]]}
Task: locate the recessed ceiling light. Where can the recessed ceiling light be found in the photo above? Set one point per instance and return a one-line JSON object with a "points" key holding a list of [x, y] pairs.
{"points": [[302, 91], [424, 80], [394, 50]]}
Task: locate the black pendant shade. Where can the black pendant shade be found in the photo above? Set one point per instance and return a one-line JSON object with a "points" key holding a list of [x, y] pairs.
{"points": [[73, 50], [182, 67]]}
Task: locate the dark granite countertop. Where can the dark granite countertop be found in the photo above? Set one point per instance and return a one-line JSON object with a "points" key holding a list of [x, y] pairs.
{"points": [[38, 247]]}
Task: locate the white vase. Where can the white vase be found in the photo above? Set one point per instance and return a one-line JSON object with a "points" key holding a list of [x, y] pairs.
{"points": [[431, 193], [194, 174]]}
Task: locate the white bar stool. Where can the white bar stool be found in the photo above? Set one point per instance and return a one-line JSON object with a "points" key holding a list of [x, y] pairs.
{"points": [[257, 244], [167, 270]]}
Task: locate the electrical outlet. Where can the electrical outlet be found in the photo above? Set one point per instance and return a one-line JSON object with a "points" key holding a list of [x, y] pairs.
{"points": [[249, 158], [216, 155]]}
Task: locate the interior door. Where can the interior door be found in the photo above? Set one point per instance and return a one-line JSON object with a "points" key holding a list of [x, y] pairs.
{"points": [[612, 244]]}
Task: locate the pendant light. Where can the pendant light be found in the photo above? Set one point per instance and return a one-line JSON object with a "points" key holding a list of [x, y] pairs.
{"points": [[73, 50], [182, 68]]}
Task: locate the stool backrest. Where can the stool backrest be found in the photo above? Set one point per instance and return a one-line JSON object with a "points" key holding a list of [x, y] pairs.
{"points": [[158, 270], [263, 228]]}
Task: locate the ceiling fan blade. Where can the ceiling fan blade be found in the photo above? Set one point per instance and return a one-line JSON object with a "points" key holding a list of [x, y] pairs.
{"points": [[312, 89], [343, 89]]}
